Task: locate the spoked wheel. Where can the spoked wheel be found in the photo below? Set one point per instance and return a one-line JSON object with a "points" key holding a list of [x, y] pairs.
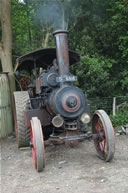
{"points": [[24, 82], [37, 140], [103, 135]]}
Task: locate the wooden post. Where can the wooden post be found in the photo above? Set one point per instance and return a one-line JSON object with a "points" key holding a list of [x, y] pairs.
{"points": [[114, 107], [6, 121], [6, 58]]}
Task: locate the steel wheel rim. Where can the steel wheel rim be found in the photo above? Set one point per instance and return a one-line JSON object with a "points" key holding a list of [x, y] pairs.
{"points": [[34, 146], [38, 151], [103, 135], [42, 145]]}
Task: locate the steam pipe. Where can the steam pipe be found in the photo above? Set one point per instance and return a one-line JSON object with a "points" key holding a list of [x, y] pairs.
{"points": [[62, 51]]}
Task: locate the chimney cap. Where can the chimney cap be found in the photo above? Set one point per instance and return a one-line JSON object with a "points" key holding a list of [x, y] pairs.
{"points": [[60, 31]]}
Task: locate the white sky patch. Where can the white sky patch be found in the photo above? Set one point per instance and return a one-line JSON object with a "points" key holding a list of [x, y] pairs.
{"points": [[21, 1]]}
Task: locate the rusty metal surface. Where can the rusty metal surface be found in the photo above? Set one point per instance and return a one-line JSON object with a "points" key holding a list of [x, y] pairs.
{"points": [[69, 138], [72, 138], [62, 52], [43, 58], [42, 115]]}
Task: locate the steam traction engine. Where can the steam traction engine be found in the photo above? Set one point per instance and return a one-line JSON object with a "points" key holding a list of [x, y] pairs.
{"points": [[53, 110]]}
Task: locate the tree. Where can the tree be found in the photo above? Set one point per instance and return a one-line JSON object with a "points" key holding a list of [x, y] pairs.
{"points": [[98, 31], [6, 41], [101, 36]]}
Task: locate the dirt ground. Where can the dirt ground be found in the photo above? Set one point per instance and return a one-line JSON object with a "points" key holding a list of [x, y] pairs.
{"points": [[68, 170]]}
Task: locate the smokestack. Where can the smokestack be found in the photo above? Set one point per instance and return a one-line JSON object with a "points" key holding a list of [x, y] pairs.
{"points": [[62, 51]]}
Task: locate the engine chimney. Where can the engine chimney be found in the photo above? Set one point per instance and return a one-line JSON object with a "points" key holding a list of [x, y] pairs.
{"points": [[62, 51]]}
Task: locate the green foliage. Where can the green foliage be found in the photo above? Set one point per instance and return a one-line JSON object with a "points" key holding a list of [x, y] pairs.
{"points": [[101, 103], [102, 38], [98, 31], [121, 117], [28, 35]]}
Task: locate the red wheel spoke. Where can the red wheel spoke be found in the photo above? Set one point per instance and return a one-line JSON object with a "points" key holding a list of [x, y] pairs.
{"points": [[104, 145], [97, 127], [100, 124], [101, 146], [102, 135]]}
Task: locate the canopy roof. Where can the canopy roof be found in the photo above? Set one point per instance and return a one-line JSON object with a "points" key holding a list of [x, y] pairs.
{"points": [[42, 58]]}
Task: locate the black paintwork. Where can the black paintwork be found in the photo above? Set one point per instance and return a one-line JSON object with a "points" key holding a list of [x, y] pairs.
{"points": [[42, 58]]}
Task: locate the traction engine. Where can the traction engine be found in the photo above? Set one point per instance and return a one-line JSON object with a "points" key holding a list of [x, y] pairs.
{"points": [[53, 110]]}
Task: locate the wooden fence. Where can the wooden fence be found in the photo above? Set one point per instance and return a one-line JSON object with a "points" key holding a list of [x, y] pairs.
{"points": [[6, 118], [111, 105]]}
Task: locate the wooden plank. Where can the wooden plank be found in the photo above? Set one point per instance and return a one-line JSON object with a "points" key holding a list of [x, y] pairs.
{"points": [[6, 118]]}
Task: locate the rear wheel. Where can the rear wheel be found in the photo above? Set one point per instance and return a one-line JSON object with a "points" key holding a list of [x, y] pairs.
{"points": [[37, 140], [103, 135], [22, 133]]}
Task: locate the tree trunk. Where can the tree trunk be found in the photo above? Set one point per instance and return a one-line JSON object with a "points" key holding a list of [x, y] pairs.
{"points": [[6, 42], [45, 41]]}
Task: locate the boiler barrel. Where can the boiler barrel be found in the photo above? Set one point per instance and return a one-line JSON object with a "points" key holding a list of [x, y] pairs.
{"points": [[6, 119]]}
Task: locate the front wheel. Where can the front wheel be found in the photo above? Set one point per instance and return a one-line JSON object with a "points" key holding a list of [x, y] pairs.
{"points": [[103, 135], [37, 140]]}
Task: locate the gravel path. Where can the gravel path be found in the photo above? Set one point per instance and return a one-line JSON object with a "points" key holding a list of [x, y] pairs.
{"points": [[68, 170]]}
